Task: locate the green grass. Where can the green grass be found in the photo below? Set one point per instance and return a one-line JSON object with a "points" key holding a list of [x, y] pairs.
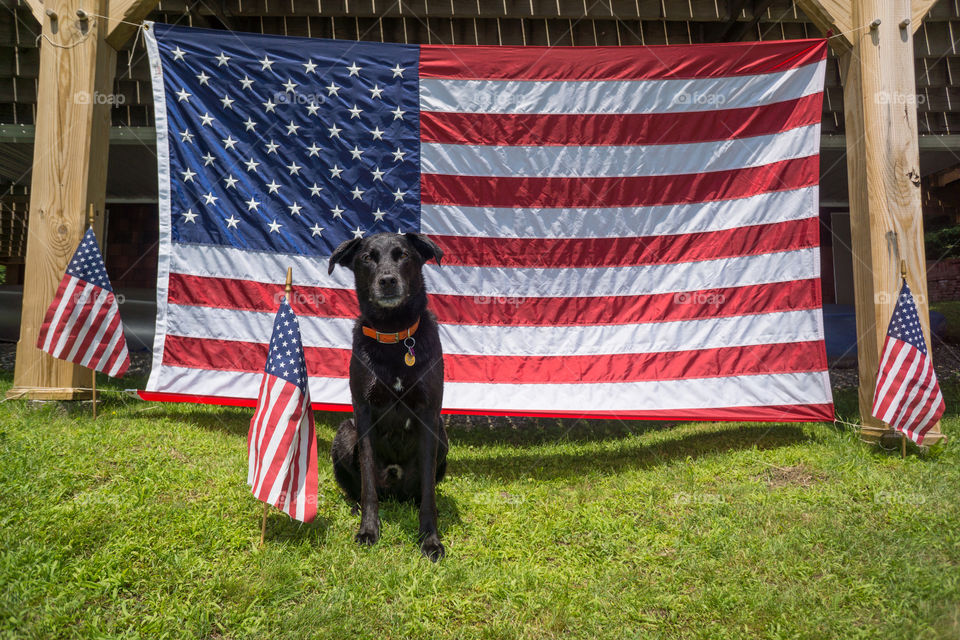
{"points": [[140, 525]]}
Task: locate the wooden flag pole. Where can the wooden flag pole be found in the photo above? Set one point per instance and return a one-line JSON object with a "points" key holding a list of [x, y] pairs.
{"points": [[288, 289], [903, 436], [93, 372]]}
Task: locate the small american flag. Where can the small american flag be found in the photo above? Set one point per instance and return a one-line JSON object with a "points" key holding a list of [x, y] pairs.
{"points": [[82, 324], [907, 396], [282, 442], [627, 231]]}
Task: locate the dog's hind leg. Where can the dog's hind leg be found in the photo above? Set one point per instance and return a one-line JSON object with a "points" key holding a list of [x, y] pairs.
{"points": [[346, 468]]}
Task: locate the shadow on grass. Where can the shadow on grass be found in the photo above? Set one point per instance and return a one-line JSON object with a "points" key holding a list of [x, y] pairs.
{"points": [[283, 529], [485, 431], [632, 455]]}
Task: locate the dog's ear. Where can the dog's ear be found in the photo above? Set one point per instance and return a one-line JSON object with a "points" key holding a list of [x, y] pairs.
{"points": [[425, 247], [344, 254]]}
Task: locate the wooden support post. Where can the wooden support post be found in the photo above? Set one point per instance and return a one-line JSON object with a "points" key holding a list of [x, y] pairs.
{"points": [[69, 171], [883, 170], [77, 66]]}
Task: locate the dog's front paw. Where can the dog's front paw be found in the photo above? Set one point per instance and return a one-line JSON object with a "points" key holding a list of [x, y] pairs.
{"points": [[432, 548], [368, 536]]}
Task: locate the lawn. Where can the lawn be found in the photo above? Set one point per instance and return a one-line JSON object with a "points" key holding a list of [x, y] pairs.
{"points": [[140, 525]]}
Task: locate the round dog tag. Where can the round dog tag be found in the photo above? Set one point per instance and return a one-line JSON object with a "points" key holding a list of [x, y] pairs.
{"points": [[409, 359]]}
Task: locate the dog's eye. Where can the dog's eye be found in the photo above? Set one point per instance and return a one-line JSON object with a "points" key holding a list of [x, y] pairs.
{"points": [[366, 257]]}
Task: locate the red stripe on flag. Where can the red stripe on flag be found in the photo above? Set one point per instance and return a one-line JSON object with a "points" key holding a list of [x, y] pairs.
{"points": [[94, 329], [249, 295], [617, 63], [245, 295], [45, 328], [493, 191], [596, 129], [623, 252], [102, 345], [63, 330], [202, 353], [288, 429], [898, 376]]}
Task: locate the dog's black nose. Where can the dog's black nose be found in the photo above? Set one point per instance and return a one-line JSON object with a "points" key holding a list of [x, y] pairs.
{"points": [[387, 281]]}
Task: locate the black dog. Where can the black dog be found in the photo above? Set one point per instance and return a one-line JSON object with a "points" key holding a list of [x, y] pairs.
{"points": [[396, 445]]}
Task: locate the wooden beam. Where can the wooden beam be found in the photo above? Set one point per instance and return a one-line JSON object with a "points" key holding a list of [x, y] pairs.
{"points": [[831, 15], [124, 16], [883, 169], [37, 9], [69, 173], [918, 11], [945, 176]]}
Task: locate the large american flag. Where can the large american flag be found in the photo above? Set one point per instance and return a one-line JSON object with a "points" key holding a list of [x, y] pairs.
{"points": [[82, 324], [627, 231], [282, 440], [907, 395]]}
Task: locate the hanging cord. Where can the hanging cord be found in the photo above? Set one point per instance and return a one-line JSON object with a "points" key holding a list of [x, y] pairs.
{"points": [[61, 46], [139, 25], [851, 32]]}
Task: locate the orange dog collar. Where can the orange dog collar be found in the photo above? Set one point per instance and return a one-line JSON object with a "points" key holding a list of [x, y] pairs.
{"points": [[391, 338]]}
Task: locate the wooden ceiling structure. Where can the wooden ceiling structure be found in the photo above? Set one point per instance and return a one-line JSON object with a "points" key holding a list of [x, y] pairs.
{"points": [[75, 45]]}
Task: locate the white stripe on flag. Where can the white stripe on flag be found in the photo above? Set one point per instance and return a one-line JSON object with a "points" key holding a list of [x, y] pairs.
{"points": [[782, 266], [883, 380], [79, 300], [620, 160], [493, 340], [276, 390], [98, 337], [268, 454], [88, 321], [619, 96], [619, 222], [108, 352], [284, 425], [704, 393], [254, 432], [907, 351], [928, 388], [64, 304]]}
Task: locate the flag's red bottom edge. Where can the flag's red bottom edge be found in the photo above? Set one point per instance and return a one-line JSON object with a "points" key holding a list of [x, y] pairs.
{"points": [[787, 413]]}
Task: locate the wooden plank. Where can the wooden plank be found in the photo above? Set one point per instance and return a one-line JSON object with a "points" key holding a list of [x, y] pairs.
{"points": [[37, 9], [831, 15], [918, 10], [124, 16], [69, 172], [883, 170]]}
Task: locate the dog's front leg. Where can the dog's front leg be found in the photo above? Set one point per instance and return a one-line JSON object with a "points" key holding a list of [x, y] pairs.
{"points": [[430, 544], [369, 531]]}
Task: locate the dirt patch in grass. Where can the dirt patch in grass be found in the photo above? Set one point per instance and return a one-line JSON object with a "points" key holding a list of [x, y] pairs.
{"points": [[794, 476]]}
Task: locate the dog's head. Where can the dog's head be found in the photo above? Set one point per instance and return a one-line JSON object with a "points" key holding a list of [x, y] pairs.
{"points": [[387, 266]]}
